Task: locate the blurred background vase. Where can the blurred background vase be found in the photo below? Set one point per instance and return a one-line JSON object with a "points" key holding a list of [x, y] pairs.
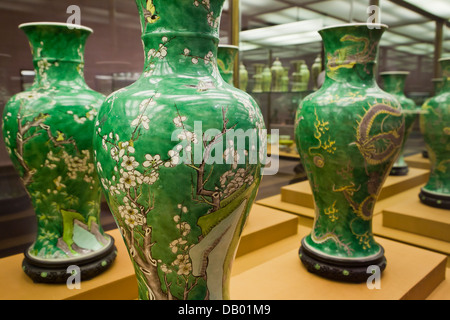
{"points": [[258, 78], [348, 134], [226, 58], [277, 75], [394, 83], [297, 85], [48, 132], [435, 128], [267, 79], [243, 77], [316, 69], [179, 186]]}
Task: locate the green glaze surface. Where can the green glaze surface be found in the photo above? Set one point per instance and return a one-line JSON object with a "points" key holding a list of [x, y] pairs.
{"points": [[348, 134], [435, 128], [48, 133], [226, 57], [394, 83], [178, 196]]}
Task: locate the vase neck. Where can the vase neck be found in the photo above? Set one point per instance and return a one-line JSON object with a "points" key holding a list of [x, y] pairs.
{"points": [[445, 65], [57, 73], [188, 53], [351, 54], [394, 83], [58, 53]]}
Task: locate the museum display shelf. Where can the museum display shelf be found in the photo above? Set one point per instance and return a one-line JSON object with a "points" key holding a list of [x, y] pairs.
{"points": [[418, 161], [415, 217]]}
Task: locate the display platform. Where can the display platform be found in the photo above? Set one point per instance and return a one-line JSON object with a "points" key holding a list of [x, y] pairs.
{"points": [[415, 217], [289, 152], [418, 161], [301, 193], [264, 227], [411, 273]]}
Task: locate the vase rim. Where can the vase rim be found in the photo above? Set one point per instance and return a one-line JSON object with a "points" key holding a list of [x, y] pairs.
{"points": [[444, 59], [437, 79], [228, 46], [355, 24], [394, 72], [60, 24]]}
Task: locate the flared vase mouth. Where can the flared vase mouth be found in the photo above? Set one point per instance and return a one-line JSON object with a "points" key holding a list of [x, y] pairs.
{"points": [[394, 73], [56, 24], [437, 79], [359, 24]]}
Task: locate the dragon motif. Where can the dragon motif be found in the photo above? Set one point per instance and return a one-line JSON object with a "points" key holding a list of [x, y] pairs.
{"points": [[367, 144]]}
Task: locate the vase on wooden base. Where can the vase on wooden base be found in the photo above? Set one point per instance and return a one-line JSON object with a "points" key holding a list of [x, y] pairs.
{"points": [[394, 83], [177, 180], [435, 128], [348, 134], [48, 131]]}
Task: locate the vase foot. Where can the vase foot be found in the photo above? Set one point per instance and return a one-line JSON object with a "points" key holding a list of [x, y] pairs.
{"points": [[434, 200], [399, 171], [57, 272], [357, 271]]}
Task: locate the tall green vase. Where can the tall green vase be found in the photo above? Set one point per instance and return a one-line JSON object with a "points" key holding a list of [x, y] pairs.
{"points": [[394, 83], [48, 132], [177, 177], [226, 57], [435, 128], [348, 135]]}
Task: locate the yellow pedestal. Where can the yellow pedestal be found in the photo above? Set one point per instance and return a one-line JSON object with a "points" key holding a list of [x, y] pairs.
{"points": [[301, 193], [416, 217], [411, 273], [418, 161]]}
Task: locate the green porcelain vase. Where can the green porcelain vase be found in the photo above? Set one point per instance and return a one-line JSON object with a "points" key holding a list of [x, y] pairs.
{"points": [[258, 78], [48, 132], [243, 77], [277, 75], [394, 83], [435, 128], [316, 69], [176, 175], [348, 134], [226, 57], [266, 79], [437, 86]]}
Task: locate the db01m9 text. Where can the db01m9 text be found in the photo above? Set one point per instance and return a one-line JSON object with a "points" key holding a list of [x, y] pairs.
{"points": [[245, 309]]}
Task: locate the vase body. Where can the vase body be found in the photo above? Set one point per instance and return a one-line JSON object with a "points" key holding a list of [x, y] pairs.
{"points": [[178, 184], [48, 133], [348, 134], [267, 79], [394, 83], [243, 77], [435, 128], [258, 78], [316, 69], [277, 75], [226, 57]]}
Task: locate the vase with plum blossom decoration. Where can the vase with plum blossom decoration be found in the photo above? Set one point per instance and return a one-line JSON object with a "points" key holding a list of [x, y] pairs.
{"points": [[48, 131], [176, 174], [435, 128], [394, 83], [348, 133]]}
